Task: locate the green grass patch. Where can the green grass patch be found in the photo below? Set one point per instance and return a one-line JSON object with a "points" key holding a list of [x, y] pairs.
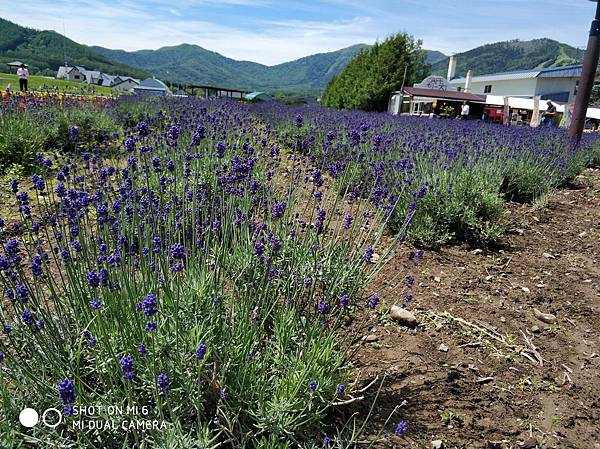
{"points": [[39, 83]]}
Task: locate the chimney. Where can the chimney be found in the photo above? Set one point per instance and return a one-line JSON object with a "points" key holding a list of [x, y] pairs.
{"points": [[451, 67], [468, 80]]}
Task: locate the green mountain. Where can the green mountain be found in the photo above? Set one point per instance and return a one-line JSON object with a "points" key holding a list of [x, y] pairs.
{"points": [[433, 56], [511, 55], [44, 52], [192, 64]]}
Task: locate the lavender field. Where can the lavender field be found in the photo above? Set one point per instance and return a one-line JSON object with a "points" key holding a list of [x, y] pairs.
{"points": [[199, 271]]}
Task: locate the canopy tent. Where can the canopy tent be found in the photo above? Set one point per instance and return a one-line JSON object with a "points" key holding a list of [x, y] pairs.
{"points": [[528, 104]]}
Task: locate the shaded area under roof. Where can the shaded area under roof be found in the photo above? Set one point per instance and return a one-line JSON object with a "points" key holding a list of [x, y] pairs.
{"points": [[444, 94]]}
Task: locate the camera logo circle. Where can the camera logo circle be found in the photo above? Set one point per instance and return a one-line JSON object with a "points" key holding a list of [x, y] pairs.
{"points": [[28, 417], [50, 422]]}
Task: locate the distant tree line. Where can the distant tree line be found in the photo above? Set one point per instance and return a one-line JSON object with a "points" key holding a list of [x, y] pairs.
{"points": [[368, 79]]}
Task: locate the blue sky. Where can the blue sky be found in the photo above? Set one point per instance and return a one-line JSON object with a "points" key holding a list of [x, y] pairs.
{"points": [[272, 31]]}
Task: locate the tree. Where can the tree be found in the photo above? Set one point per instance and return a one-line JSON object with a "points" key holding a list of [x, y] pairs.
{"points": [[368, 79]]}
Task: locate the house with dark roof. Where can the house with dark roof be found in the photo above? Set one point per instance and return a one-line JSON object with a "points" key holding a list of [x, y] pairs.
{"points": [[125, 83], [76, 74]]}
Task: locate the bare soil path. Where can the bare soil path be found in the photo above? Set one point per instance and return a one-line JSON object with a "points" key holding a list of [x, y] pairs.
{"points": [[481, 370]]}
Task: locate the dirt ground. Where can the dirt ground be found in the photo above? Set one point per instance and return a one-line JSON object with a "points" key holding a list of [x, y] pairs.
{"points": [[480, 370]]}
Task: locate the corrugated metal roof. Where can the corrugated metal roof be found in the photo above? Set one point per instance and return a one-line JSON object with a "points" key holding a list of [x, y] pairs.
{"points": [[571, 71], [444, 94], [154, 83], [530, 74]]}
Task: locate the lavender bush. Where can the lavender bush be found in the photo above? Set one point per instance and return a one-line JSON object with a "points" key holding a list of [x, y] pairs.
{"points": [[461, 173], [200, 272], [196, 269]]}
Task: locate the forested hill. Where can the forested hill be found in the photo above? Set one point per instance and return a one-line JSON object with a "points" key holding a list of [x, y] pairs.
{"points": [[512, 55], [44, 52]]}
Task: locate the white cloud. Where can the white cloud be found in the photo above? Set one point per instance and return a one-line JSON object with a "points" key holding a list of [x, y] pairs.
{"points": [[455, 27], [129, 27]]}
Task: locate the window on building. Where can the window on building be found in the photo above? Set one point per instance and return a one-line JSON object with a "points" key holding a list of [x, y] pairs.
{"points": [[459, 89], [576, 87], [77, 77], [487, 89]]}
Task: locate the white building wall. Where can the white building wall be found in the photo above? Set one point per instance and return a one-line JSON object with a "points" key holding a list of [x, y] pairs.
{"points": [[514, 87], [529, 87], [77, 76], [556, 85]]}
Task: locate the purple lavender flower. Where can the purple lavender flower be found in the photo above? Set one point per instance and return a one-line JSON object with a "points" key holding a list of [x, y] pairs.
{"points": [[22, 292], [278, 209], [127, 367], [348, 219], [324, 307], [27, 317], [368, 254], [142, 129], [66, 391], [11, 248], [93, 279], [344, 301], [373, 301], [129, 145], [150, 305], [340, 389], [162, 380], [200, 351], [401, 428], [177, 251], [173, 133], [313, 385], [96, 304]]}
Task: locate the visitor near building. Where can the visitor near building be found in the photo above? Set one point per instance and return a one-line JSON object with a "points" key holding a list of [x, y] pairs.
{"points": [[464, 111], [23, 75], [549, 115]]}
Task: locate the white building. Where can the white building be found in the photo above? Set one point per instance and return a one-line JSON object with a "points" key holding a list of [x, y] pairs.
{"points": [[125, 83], [558, 84], [76, 74]]}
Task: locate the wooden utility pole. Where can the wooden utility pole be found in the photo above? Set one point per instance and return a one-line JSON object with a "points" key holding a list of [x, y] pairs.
{"points": [[588, 74]]}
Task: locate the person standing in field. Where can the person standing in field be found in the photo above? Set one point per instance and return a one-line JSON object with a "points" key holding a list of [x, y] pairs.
{"points": [[23, 75], [548, 116], [465, 111]]}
